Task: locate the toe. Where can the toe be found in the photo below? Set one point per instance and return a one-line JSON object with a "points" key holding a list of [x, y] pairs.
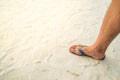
{"points": [[74, 49], [71, 49]]}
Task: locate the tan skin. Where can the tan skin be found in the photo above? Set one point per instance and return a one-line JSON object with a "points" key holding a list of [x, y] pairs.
{"points": [[109, 30]]}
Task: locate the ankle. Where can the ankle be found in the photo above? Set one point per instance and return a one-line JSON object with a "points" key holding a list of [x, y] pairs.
{"points": [[98, 49]]}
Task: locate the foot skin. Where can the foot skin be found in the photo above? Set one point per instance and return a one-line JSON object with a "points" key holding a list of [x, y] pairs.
{"points": [[88, 50]]}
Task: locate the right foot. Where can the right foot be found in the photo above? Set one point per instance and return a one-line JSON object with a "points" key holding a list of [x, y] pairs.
{"points": [[88, 50]]}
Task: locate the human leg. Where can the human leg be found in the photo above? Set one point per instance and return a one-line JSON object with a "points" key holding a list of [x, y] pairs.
{"points": [[109, 30]]}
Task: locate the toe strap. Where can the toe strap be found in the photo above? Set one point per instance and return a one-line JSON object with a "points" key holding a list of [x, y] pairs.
{"points": [[82, 53]]}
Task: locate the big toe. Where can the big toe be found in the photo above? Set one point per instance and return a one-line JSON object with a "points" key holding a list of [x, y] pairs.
{"points": [[71, 49], [74, 49]]}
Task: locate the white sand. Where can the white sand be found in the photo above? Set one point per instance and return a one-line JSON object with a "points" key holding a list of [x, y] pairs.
{"points": [[35, 36]]}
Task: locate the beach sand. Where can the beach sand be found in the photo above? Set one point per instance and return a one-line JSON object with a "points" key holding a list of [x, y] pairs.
{"points": [[35, 36]]}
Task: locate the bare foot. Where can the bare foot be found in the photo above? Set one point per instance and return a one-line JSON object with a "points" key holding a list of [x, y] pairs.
{"points": [[88, 50]]}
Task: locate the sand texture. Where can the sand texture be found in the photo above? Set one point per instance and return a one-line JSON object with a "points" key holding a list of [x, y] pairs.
{"points": [[35, 36]]}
